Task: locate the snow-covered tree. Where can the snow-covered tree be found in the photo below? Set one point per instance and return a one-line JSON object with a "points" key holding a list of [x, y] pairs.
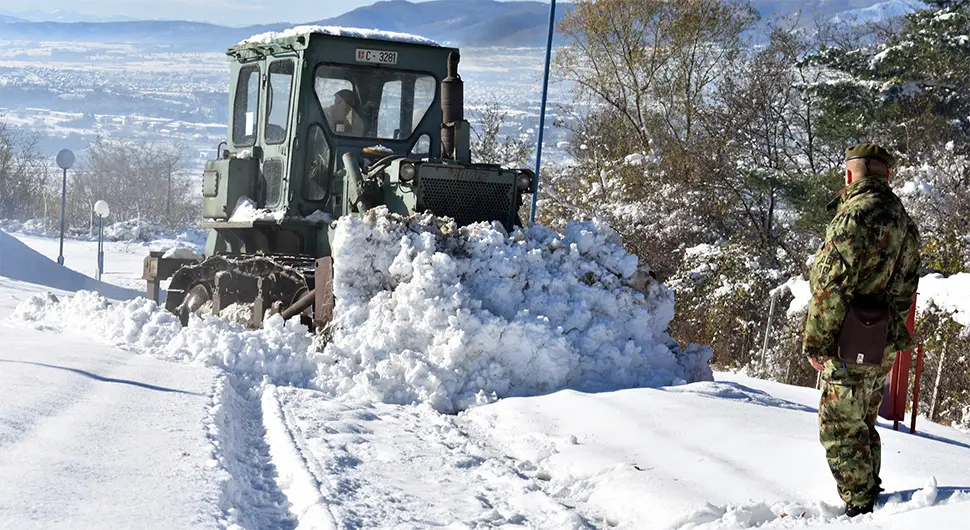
{"points": [[910, 91]]}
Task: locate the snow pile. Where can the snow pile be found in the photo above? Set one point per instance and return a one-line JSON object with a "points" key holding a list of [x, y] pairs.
{"points": [[281, 351], [430, 313], [319, 216], [33, 227], [336, 31], [181, 252], [951, 294], [246, 211], [20, 262], [427, 312], [140, 230], [127, 231]]}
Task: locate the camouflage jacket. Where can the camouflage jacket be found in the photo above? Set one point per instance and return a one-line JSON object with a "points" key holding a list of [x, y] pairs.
{"points": [[871, 247]]}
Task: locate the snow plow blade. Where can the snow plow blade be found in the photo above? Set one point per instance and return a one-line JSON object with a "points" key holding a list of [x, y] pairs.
{"points": [[288, 285]]}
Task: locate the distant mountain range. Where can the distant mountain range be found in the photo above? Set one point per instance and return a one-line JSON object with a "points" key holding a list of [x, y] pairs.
{"points": [[58, 15], [460, 22]]}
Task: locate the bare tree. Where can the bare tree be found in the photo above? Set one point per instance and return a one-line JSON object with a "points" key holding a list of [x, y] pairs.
{"points": [[490, 146], [23, 174], [140, 180]]}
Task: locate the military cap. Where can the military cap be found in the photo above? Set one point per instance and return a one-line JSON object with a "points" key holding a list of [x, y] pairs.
{"points": [[870, 151]]}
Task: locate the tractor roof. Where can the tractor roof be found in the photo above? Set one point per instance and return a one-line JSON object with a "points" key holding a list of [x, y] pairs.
{"points": [[290, 35]]}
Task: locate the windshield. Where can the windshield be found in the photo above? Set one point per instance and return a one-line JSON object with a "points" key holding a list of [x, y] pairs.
{"points": [[372, 102]]}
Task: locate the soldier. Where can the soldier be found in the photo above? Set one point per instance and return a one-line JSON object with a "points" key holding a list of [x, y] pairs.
{"points": [[339, 114], [867, 266]]}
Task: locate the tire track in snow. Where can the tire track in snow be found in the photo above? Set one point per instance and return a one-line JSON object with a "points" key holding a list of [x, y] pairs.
{"points": [[294, 477], [251, 498], [375, 465]]}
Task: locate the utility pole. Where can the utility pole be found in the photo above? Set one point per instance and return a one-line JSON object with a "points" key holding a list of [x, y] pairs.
{"points": [[168, 202]]}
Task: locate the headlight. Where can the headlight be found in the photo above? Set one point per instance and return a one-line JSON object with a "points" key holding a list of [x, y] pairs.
{"points": [[524, 182], [407, 173]]}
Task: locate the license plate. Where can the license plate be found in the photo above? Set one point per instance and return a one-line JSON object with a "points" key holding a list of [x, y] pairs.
{"points": [[376, 57]]}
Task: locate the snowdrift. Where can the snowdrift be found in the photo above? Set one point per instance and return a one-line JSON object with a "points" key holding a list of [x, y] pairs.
{"points": [[950, 294], [20, 262], [430, 313], [427, 312], [132, 230]]}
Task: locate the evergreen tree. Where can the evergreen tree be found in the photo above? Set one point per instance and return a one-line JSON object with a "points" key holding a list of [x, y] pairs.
{"points": [[910, 91]]}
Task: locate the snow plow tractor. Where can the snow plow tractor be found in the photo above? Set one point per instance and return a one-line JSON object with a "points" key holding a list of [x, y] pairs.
{"points": [[325, 123]]}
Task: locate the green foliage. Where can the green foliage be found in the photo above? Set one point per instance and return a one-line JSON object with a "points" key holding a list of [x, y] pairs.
{"points": [[945, 254]]}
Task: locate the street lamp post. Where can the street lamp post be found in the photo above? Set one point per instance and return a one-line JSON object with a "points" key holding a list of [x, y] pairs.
{"points": [[65, 159], [101, 208]]}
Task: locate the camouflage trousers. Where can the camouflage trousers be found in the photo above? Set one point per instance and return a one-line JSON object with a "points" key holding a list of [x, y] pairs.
{"points": [[847, 414]]}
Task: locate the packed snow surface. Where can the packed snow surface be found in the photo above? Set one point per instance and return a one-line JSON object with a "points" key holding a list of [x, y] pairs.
{"points": [[430, 313], [724, 455], [20, 262], [95, 438], [336, 31]]}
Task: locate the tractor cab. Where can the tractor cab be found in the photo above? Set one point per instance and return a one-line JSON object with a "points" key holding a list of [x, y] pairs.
{"points": [[300, 101], [327, 122]]}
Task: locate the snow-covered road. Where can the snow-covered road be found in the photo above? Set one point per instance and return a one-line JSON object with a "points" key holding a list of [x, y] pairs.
{"points": [[97, 431], [94, 437], [352, 464]]}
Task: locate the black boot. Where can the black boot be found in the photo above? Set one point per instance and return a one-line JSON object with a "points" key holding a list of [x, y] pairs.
{"points": [[853, 510]]}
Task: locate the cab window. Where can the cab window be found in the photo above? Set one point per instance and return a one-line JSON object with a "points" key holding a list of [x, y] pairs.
{"points": [[246, 107], [278, 101], [317, 185], [377, 103]]}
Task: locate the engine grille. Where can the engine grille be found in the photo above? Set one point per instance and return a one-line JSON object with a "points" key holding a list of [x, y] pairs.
{"points": [[470, 201]]}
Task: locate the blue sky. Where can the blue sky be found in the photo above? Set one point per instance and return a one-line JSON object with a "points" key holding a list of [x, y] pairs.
{"points": [[227, 12]]}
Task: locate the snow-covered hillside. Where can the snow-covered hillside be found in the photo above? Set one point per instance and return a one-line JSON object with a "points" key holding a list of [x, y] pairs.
{"points": [[98, 432], [880, 11]]}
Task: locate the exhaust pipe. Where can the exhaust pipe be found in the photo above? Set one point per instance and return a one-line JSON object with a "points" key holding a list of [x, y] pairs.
{"points": [[452, 111]]}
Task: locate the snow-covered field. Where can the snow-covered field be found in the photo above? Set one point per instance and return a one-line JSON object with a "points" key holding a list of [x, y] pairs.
{"points": [[113, 417]]}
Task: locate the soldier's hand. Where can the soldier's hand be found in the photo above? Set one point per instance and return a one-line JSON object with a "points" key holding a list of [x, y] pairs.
{"points": [[817, 363]]}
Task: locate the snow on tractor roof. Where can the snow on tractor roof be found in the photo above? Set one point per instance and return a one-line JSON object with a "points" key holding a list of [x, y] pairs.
{"points": [[336, 31]]}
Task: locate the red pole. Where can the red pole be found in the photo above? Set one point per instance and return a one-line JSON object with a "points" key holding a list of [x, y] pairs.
{"points": [[919, 371], [895, 386], [896, 391]]}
